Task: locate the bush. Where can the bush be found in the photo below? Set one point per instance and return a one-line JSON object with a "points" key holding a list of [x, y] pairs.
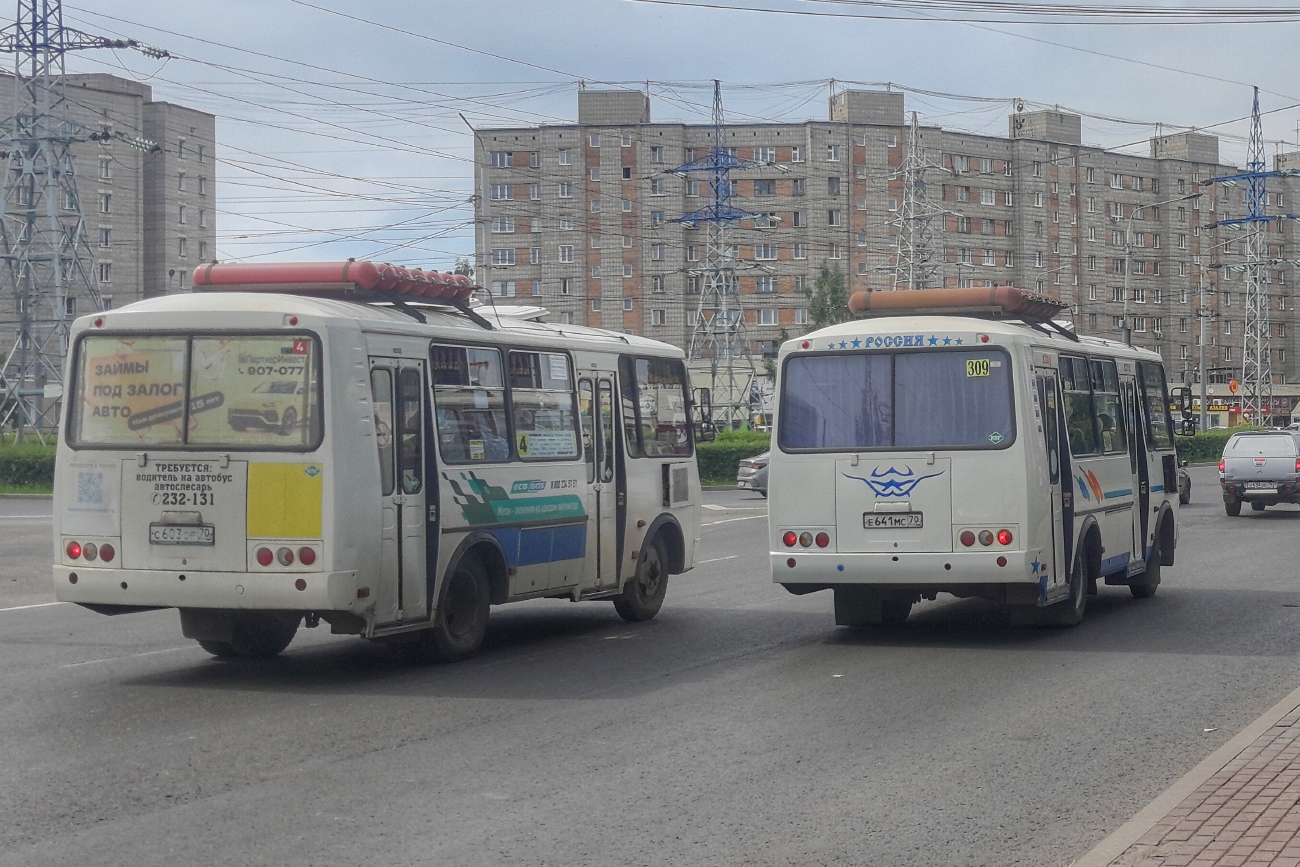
{"points": [[719, 458], [1204, 447], [26, 466]]}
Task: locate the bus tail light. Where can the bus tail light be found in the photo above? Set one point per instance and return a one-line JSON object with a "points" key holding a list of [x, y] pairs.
{"points": [[107, 552], [73, 550], [90, 551], [306, 556], [1004, 537], [986, 537], [823, 539], [967, 538], [264, 557], [285, 556], [806, 539], [788, 538]]}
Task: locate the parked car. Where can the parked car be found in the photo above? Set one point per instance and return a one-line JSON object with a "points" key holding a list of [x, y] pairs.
{"points": [[752, 474], [1260, 467], [1184, 486]]}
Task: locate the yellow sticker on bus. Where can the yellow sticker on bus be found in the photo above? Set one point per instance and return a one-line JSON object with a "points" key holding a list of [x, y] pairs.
{"points": [[977, 367]]}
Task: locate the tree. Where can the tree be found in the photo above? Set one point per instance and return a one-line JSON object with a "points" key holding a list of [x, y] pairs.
{"points": [[828, 301], [463, 267]]}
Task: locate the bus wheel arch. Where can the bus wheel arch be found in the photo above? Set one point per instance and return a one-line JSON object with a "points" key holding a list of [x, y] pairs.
{"points": [[669, 532], [1166, 536], [483, 546]]}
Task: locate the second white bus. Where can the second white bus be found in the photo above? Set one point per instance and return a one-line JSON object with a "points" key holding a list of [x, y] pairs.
{"points": [[957, 441]]}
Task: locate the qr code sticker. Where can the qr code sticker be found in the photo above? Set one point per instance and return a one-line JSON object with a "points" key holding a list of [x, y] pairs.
{"points": [[90, 488]]}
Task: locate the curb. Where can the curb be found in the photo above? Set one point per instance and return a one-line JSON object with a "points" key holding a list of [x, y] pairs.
{"points": [[1105, 852], [26, 496]]}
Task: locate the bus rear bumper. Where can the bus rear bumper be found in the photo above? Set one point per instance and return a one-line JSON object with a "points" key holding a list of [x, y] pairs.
{"points": [[920, 570], [140, 588]]}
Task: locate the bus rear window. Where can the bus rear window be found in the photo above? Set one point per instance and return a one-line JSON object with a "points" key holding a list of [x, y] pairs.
{"points": [[247, 391], [902, 400]]}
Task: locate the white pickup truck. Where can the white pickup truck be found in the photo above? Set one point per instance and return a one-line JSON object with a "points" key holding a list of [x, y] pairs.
{"points": [[1262, 468]]}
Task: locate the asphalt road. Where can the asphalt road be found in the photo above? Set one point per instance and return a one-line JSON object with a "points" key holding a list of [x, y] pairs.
{"points": [[739, 727]]}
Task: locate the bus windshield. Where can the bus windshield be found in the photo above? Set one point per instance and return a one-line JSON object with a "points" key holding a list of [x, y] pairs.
{"points": [[897, 400], [213, 391]]}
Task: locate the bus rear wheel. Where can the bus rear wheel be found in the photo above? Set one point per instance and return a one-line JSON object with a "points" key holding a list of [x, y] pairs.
{"points": [[643, 596], [460, 623], [1070, 612], [259, 635]]}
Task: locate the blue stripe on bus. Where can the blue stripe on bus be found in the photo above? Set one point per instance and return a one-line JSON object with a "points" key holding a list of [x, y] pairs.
{"points": [[1126, 492], [1113, 564], [1157, 487], [529, 546]]}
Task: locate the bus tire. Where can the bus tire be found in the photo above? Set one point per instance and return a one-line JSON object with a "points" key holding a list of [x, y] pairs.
{"points": [[219, 649], [261, 635], [1232, 507], [1070, 613], [460, 623], [894, 610], [643, 596]]}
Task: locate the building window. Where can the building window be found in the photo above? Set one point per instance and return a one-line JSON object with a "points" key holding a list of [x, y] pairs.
{"points": [[595, 206], [563, 156], [833, 218], [566, 286], [203, 250], [764, 252], [503, 288], [796, 154], [765, 155], [832, 186], [180, 213], [765, 285], [105, 237], [658, 317], [767, 316], [832, 153], [180, 148], [988, 197], [657, 252], [534, 191], [656, 218], [800, 251], [657, 283], [990, 257], [105, 169], [627, 140], [182, 248], [566, 253], [801, 316], [593, 140], [765, 188], [798, 187], [833, 251], [502, 191], [503, 225], [534, 255], [503, 256], [963, 194], [657, 187], [106, 203], [105, 272]]}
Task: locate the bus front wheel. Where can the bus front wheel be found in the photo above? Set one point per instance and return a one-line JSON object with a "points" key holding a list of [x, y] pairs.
{"points": [[643, 596], [460, 623]]}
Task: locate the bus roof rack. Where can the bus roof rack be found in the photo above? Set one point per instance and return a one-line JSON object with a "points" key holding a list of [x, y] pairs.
{"points": [[355, 280], [998, 302]]}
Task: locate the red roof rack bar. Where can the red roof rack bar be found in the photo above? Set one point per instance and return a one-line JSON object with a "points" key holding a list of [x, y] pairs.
{"points": [[318, 278], [998, 301]]}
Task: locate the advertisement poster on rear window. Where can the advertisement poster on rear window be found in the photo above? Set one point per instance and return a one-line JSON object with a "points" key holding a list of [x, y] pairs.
{"points": [[130, 390]]}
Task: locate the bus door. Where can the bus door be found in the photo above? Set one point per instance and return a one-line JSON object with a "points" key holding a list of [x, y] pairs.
{"points": [[400, 399], [1055, 556], [596, 401], [1137, 455]]}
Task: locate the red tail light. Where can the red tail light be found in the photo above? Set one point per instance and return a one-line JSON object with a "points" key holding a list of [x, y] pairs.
{"points": [[107, 552], [264, 556], [1004, 537], [306, 556], [788, 538], [74, 550], [1222, 465], [823, 539], [967, 538]]}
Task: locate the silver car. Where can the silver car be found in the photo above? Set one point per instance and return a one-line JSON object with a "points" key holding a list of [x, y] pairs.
{"points": [[1260, 467], [752, 474]]}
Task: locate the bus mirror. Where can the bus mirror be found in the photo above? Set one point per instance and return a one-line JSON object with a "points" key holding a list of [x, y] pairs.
{"points": [[705, 432], [1183, 399], [704, 402]]}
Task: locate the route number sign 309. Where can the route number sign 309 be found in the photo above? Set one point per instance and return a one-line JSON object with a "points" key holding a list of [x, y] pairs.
{"points": [[977, 367]]}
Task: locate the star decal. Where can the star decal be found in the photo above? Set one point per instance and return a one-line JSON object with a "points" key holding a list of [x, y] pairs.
{"points": [[959, 341], [947, 341], [933, 340], [843, 345], [856, 343], [831, 345], [1034, 566]]}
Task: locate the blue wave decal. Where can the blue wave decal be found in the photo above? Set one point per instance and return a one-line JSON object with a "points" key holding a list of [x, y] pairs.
{"points": [[893, 482]]}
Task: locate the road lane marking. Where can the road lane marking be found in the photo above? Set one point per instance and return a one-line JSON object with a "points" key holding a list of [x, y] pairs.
{"points": [[128, 656], [38, 605], [730, 520], [718, 559]]}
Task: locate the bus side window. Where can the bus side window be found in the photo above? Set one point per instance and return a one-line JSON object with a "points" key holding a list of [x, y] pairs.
{"points": [[587, 412], [411, 413], [606, 450], [1080, 412], [381, 397]]}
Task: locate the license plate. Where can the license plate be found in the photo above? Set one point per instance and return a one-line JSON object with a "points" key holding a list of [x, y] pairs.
{"points": [[182, 534], [1269, 485], [892, 520]]}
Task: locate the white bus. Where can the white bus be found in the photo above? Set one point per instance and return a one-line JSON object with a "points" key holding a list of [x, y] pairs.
{"points": [[958, 441], [291, 453]]}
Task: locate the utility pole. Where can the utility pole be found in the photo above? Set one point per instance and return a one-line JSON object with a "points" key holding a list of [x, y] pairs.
{"points": [[1256, 358], [45, 256], [719, 334], [915, 265]]}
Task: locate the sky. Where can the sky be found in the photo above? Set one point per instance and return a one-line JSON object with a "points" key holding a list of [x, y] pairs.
{"points": [[344, 129]]}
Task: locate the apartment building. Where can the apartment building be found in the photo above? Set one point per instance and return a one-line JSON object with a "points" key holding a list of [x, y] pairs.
{"points": [[580, 218], [150, 214]]}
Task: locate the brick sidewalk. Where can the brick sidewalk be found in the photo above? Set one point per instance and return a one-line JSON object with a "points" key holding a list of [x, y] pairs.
{"points": [[1244, 814]]}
